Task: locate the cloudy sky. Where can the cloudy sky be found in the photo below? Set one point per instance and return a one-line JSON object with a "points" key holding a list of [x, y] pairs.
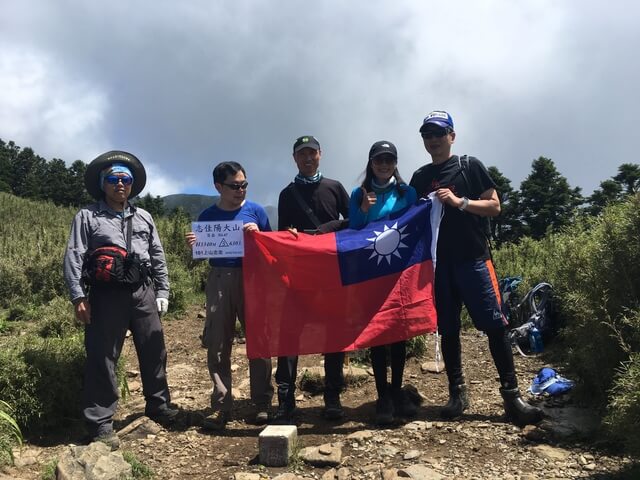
{"points": [[185, 85]]}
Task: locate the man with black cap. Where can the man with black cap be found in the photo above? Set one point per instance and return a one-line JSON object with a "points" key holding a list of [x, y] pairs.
{"points": [[116, 272], [312, 204], [464, 270]]}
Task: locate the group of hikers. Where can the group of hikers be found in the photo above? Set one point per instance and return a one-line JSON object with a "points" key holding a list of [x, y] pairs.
{"points": [[116, 272]]}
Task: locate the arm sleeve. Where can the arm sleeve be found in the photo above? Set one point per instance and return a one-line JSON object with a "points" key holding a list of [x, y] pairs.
{"points": [[343, 202], [158, 263], [284, 220], [263, 220], [412, 196], [357, 218], [480, 177], [420, 181], [77, 247]]}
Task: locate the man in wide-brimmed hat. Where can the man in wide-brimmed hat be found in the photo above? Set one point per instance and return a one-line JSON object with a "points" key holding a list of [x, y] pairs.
{"points": [[116, 272]]}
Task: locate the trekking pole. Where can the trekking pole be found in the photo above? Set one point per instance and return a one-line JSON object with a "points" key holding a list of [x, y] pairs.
{"points": [[437, 350]]}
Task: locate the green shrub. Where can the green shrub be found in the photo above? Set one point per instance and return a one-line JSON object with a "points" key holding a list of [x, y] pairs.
{"points": [[56, 319], [416, 347], [180, 285], [18, 384], [14, 284], [594, 267], [138, 469], [623, 416], [49, 470], [10, 433], [42, 378], [46, 278], [21, 313]]}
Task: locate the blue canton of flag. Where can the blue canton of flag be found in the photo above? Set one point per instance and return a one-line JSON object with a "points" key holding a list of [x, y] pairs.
{"points": [[385, 246]]}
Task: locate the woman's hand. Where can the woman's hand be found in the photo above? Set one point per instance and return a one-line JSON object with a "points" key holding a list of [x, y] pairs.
{"points": [[368, 200]]}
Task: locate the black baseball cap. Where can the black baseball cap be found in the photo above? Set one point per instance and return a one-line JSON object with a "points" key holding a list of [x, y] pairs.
{"points": [[382, 147], [307, 141]]}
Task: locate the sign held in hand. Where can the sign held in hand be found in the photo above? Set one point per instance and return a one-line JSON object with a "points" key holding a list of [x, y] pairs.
{"points": [[218, 239]]}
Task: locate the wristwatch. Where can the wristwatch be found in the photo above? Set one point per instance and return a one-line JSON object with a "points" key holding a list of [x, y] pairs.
{"points": [[465, 204]]}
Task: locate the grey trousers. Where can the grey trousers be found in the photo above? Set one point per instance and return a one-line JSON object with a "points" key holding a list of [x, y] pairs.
{"points": [[113, 312], [225, 303]]}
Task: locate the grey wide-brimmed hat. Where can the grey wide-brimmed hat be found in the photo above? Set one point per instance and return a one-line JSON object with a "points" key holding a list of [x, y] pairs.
{"points": [[92, 175]]}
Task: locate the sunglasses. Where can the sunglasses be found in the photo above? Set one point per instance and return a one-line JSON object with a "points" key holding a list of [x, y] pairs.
{"points": [[114, 179], [380, 159], [435, 133], [237, 186]]}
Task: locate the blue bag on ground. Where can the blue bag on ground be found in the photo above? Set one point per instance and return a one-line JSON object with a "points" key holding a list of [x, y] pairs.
{"points": [[548, 381]]}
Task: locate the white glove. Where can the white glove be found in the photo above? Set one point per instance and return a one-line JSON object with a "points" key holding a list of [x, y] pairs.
{"points": [[163, 305]]}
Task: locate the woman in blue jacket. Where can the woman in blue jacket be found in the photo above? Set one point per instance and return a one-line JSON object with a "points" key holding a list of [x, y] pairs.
{"points": [[383, 192]]}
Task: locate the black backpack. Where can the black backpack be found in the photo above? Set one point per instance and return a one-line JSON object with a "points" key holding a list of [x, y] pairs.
{"points": [[535, 310]]}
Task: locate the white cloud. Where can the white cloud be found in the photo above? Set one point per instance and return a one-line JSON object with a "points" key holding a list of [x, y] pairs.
{"points": [[187, 85], [47, 108], [159, 182]]}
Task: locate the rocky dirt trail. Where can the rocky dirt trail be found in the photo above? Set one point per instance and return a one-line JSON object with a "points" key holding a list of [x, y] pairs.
{"points": [[480, 445]]}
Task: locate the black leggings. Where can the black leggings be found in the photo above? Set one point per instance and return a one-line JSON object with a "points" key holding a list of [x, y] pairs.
{"points": [[398, 353], [500, 348]]}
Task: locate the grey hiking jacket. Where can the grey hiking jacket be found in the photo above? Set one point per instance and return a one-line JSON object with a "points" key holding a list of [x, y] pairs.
{"points": [[97, 225]]}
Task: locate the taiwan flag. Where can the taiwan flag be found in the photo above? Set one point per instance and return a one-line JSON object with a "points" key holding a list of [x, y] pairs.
{"points": [[341, 291]]}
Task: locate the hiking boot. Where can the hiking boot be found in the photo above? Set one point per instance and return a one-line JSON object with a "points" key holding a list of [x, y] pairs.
{"points": [[517, 410], [110, 439], [262, 415], [165, 415], [333, 408], [284, 414], [402, 405], [458, 402], [216, 421], [384, 410]]}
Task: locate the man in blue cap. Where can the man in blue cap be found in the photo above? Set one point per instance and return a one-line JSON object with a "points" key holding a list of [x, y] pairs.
{"points": [[464, 270]]}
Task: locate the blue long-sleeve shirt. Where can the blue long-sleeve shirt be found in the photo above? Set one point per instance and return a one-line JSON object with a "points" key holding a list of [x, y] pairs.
{"points": [[387, 201]]}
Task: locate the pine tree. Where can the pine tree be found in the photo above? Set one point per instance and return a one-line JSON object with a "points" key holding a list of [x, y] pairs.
{"points": [[629, 177], [507, 226], [547, 202], [76, 187], [8, 155], [609, 192], [56, 186], [153, 205]]}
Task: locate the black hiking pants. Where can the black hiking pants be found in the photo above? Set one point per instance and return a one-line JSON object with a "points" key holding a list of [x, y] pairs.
{"points": [[113, 312]]}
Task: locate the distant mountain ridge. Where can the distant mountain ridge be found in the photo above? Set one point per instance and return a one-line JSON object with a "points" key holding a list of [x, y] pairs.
{"points": [[194, 203]]}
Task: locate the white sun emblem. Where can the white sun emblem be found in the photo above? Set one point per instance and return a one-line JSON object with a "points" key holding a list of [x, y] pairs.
{"points": [[387, 243]]}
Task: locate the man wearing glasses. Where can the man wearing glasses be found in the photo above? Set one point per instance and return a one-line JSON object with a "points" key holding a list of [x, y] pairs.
{"points": [[225, 300], [464, 271], [313, 204], [109, 301]]}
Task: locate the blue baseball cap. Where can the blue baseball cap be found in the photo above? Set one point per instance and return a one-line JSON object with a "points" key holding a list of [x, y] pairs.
{"points": [[439, 118]]}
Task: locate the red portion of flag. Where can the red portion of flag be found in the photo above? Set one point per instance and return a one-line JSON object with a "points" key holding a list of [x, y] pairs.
{"points": [[295, 302]]}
